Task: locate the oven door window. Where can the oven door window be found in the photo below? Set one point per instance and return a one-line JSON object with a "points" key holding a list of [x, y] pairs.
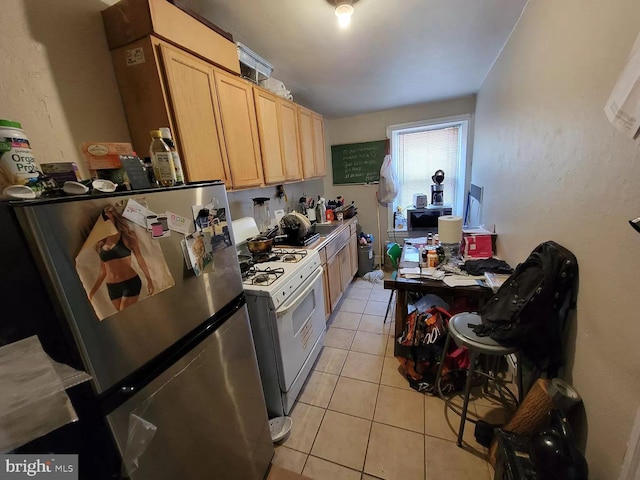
{"points": [[302, 313]]}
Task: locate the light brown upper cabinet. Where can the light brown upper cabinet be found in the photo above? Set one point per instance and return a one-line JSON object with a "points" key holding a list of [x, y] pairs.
{"points": [[305, 121], [290, 139], [164, 86], [318, 146], [194, 102], [237, 110], [269, 128], [314, 163]]}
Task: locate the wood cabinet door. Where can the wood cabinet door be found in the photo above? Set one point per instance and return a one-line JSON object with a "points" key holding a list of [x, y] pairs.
{"points": [[269, 127], [335, 280], [290, 138], [305, 122], [353, 254], [345, 267], [238, 114], [194, 104], [319, 154]]}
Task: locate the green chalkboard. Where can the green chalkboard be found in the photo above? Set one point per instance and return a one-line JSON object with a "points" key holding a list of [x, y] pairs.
{"points": [[357, 162]]}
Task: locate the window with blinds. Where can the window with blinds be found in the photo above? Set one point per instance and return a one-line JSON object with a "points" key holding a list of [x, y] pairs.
{"points": [[419, 149]]}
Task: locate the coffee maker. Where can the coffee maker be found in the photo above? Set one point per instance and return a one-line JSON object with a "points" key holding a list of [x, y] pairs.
{"points": [[437, 189]]}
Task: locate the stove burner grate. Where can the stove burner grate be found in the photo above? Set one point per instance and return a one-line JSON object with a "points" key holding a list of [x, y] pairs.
{"points": [[289, 255], [263, 276]]}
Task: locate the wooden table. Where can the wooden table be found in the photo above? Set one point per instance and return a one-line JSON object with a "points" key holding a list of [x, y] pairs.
{"points": [[405, 285]]}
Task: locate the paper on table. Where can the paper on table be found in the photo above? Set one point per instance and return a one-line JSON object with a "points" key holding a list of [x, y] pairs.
{"points": [[417, 272], [461, 281], [623, 106]]}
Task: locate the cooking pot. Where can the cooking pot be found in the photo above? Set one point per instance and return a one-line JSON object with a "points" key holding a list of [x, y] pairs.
{"points": [[260, 244], [296, 225]]}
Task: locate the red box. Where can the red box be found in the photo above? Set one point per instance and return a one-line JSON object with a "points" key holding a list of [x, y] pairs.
{"points": [[478, 246]]}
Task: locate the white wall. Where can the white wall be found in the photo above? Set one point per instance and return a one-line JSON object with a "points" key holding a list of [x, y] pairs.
{"points": [[370, 127], [241, 205], [57, 78], [554, 168]]}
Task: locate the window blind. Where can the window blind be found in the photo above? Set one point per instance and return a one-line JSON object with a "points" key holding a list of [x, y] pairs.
{"points": [[420, 154]]}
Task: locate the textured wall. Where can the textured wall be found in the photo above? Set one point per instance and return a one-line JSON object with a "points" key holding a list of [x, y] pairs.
{"points": [[370, 127], [554, 168], [57, 78]]}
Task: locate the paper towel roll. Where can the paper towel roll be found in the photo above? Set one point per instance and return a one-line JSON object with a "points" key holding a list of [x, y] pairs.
{"points": [[450, 229]]}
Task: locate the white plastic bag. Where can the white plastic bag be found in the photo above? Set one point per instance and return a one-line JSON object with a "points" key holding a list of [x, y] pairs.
{"points": [[388, 186]]}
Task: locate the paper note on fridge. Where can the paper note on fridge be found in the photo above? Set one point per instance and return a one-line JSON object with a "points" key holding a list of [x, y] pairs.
{"points": [[137, 213], [178, 223], [623, 106]]}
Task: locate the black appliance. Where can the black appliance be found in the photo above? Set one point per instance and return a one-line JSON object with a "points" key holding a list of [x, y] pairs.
{"points": [[425, 220]]}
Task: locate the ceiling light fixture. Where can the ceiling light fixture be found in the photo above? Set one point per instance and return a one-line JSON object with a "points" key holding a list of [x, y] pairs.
{"points": [[344, 10]]}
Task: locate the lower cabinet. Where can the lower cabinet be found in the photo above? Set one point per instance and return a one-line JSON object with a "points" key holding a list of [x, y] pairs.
{"points": [[345, 266], [353, 254], [335, 280], [340, 257]]}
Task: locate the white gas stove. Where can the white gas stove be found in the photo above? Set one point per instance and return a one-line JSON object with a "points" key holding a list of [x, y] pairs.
{"points": [[280, 276], [285, 298]]}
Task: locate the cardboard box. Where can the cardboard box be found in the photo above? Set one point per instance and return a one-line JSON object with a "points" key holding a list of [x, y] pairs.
{"points": [[131, 20], [105, 155]]}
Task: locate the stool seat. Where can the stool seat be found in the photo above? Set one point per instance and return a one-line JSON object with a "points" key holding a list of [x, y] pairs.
{"points": [[463, 335], [460, 332]]}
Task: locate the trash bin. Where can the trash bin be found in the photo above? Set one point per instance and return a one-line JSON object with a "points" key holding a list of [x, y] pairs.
{"points": [[365, 259]]}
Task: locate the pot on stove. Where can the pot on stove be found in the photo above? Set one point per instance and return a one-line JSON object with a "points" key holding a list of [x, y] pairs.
{"points": [[296, 226], [260, 244]]}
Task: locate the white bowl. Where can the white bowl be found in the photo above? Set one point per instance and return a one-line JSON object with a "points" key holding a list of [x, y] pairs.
{"points": [[106, 186], [19, 191], [280, 428], [74, 188]]}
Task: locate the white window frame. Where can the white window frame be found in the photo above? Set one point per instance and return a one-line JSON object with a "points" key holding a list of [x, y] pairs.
{"points": [[466, 146]]}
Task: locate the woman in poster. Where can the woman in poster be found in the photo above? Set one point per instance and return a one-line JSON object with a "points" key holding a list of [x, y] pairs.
{"points": [[123, 282]]}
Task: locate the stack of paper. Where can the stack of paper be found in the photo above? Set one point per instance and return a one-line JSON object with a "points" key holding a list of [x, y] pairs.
{"points": [[417, 272], [462, 281]]}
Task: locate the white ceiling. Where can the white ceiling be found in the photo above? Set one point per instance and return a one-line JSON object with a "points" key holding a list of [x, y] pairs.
{"points": [[394, 53]]}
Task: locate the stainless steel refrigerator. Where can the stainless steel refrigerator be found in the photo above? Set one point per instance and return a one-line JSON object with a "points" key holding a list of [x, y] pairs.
{"points": [[175, 376]]}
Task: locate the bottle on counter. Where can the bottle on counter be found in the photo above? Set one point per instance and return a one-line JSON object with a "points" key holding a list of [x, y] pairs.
{"points": [[18, 166], [162, 160], [177, 163], [321, 213], [432, 259], [148, 167], [423, 257]]}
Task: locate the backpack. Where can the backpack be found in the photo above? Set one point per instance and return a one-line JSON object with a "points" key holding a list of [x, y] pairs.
{"points": [[420, 348], [531, 307]]}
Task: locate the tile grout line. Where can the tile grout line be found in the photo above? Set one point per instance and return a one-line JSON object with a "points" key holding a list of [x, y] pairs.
{"points": [[334, 463], [375, 406], [372, 421], [314, 438]]}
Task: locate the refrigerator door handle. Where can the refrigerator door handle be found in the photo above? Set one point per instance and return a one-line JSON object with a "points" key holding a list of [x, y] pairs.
{"points": [[294, 302]]}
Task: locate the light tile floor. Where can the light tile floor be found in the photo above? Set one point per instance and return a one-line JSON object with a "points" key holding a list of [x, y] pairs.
{"points": [[357, 418]]}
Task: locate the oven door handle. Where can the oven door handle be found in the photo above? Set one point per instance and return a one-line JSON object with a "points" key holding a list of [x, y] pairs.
{"points": [[294, 302]]}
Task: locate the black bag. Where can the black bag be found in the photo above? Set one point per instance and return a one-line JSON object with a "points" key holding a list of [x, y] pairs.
{"points": [[531, 307]]}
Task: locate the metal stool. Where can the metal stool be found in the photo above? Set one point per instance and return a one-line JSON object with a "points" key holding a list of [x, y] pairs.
{"points": [[462, 334]]}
